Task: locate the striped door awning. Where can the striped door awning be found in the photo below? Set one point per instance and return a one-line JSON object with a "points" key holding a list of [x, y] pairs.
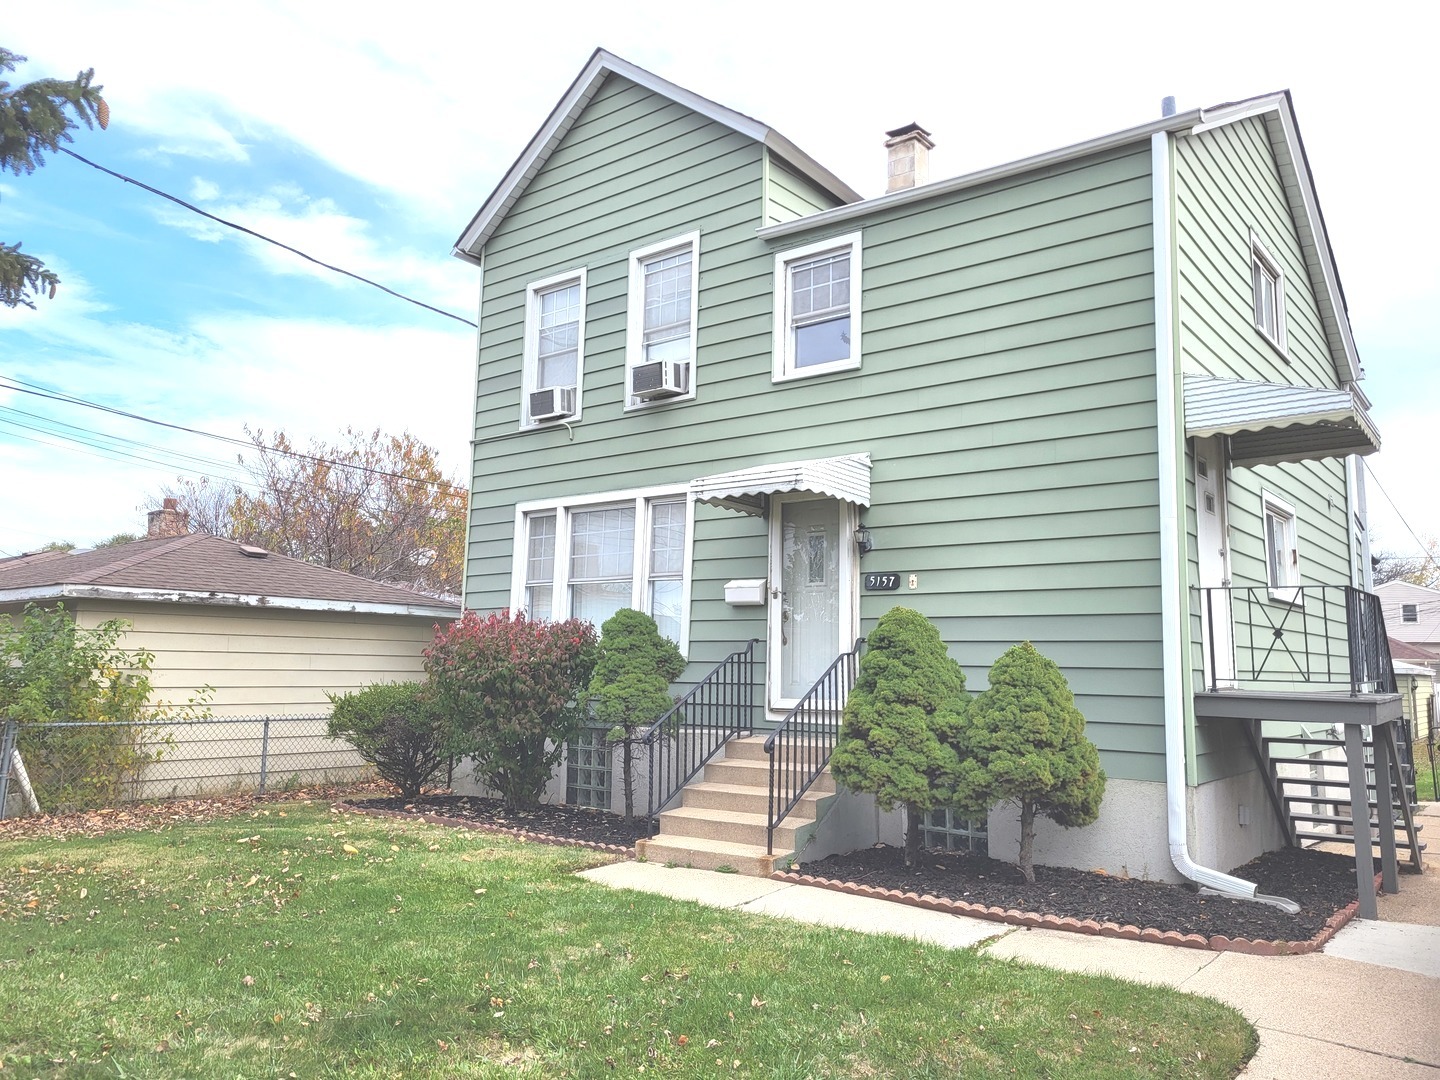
{"points": [[1270, 423], [747, 490]]}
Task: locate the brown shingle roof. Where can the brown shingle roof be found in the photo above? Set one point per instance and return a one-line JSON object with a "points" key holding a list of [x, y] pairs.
{"points": [[198, 564], [1408, 650]]}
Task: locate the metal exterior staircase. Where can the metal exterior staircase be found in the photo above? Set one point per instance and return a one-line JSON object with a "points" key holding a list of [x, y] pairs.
{"points": [[1315, 805]]}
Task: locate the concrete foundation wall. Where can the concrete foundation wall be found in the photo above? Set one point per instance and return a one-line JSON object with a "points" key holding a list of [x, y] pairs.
{"points": [[1129, 839], [850, 821], [1217, 839]]}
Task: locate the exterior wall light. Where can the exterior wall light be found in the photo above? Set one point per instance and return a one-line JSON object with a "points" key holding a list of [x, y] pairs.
{"points": [[863, 543]]}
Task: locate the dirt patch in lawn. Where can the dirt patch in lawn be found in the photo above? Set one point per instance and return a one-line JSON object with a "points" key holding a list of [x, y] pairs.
{"points": [[560, 822]]}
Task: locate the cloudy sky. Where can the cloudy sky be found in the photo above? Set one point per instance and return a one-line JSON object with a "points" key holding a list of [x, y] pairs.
{"points": [[367, 134]]}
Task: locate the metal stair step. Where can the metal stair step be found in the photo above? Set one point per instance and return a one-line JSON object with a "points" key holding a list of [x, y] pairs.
{"points": [[1402, 843], [1331, 800], [1345, 820]]}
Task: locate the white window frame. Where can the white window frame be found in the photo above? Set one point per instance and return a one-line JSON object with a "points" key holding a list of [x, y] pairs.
{"points": [[1409, 613], [530, 380], [784, 338], [642, 499], [1263, 264], [635, 321], [1272, 507]]}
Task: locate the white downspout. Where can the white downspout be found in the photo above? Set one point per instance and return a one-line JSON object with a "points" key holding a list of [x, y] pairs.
{"points": [[1172, 612]]}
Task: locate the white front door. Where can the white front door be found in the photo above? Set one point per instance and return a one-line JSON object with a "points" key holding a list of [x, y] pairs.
{"points": [[1212, 537], [812, 593]]}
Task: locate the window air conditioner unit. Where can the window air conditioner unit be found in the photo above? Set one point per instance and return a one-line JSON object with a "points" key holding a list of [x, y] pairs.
{"points": [[661, 379], [553, 403]]}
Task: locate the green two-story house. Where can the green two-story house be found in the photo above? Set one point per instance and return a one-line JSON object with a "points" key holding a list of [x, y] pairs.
{"points": [[1104, 399]]}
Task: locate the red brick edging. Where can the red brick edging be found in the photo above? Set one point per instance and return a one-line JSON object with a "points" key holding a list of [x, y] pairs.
{"points": [[1216, 943], [480, 826]]}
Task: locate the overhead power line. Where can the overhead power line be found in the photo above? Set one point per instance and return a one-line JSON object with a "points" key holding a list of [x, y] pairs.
{"points": [[1424, 549], [261, 236], [23, 387]]}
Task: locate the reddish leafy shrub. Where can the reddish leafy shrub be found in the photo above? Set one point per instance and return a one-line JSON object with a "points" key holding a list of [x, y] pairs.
{"points": [[508, 686]]}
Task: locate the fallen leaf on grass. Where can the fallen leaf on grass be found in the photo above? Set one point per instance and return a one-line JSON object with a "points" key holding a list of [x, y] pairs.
{"points": [[248, 980]]}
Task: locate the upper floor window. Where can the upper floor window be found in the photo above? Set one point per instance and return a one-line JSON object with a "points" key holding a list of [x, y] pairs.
{"points": [[660, 340], [554, 348], [588, 558], [1409, 613], [817, 308], [1282, 552], [1268, 283]]}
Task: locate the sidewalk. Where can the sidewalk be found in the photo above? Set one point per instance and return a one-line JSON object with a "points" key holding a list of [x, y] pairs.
{"points": [[1368, 1005]]}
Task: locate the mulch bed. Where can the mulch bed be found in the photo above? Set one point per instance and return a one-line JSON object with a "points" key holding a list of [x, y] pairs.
{"points": [[1323, 884]]}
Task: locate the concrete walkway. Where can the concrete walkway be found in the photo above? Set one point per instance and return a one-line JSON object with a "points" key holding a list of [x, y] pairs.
{"points": [[1368, 1005]]}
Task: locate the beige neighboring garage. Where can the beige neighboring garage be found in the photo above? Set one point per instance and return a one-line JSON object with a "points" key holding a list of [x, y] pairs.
{"points": [[270, 634]]}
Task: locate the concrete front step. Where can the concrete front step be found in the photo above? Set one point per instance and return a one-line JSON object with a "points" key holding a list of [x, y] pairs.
{"points": [[722, 816], [705, 854], [695, 821], [743, 799], [749, 773], [751, 748]]}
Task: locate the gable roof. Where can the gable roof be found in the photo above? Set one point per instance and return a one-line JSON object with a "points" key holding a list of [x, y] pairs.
{"points": [[200, 569], [1277, 112], [601, 64]]}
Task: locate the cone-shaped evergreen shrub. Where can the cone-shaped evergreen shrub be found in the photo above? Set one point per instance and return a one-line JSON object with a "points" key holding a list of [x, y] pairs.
{"points": [[631, 684], [897, 739], [1024, 740]]}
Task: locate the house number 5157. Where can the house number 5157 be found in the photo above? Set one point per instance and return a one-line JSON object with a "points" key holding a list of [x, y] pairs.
{"points": [[882, 582]]}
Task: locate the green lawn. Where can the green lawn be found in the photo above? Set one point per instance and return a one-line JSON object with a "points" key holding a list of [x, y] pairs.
{"points": [[302, 942]]}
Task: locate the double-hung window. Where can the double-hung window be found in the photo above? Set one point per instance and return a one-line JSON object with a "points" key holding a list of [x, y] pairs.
{"points": [[660, 336], [1282, 552], [590, 557], [554, 348], [817, 308], [1268, 290], [1409, 613]]}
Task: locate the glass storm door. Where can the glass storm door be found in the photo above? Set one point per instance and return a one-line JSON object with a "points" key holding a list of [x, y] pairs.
{"points": [[1212, 536], [811, 594]]}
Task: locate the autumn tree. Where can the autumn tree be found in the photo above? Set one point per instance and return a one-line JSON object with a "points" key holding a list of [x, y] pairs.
{"points": [[1420, 568], [372, 504], [898, 732], [36, 117], [1024, 742]]}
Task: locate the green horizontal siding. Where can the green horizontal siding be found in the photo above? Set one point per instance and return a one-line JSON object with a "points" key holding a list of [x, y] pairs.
{"points": [[1006, 395], [788, 195], [1227, 184]]}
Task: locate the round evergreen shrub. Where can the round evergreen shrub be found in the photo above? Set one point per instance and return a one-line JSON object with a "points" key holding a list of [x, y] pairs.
{"points": [[900, 725]]}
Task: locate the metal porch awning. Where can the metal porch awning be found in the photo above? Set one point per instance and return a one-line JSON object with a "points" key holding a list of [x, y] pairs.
{"points": [[747, 490], [1270, 423]]}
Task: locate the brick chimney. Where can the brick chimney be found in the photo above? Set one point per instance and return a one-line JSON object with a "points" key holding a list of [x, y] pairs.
{"points": [[909, 163], [169, 520]]}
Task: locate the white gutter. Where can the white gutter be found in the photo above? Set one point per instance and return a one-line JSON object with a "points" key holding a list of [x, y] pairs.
{"points": [[220, 599], [1172, 615]]}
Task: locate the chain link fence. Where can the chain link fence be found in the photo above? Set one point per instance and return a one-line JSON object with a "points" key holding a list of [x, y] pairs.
{"points": [[63, 767]]}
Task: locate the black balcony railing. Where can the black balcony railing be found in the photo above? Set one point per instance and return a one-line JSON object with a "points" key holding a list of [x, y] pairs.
{"points": [[1314, 637], [800, 747], [718, 708]]}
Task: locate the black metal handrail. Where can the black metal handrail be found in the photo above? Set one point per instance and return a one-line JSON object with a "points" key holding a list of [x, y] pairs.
{"points": [[800, 747], [1316, 634], [718, 708]]}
